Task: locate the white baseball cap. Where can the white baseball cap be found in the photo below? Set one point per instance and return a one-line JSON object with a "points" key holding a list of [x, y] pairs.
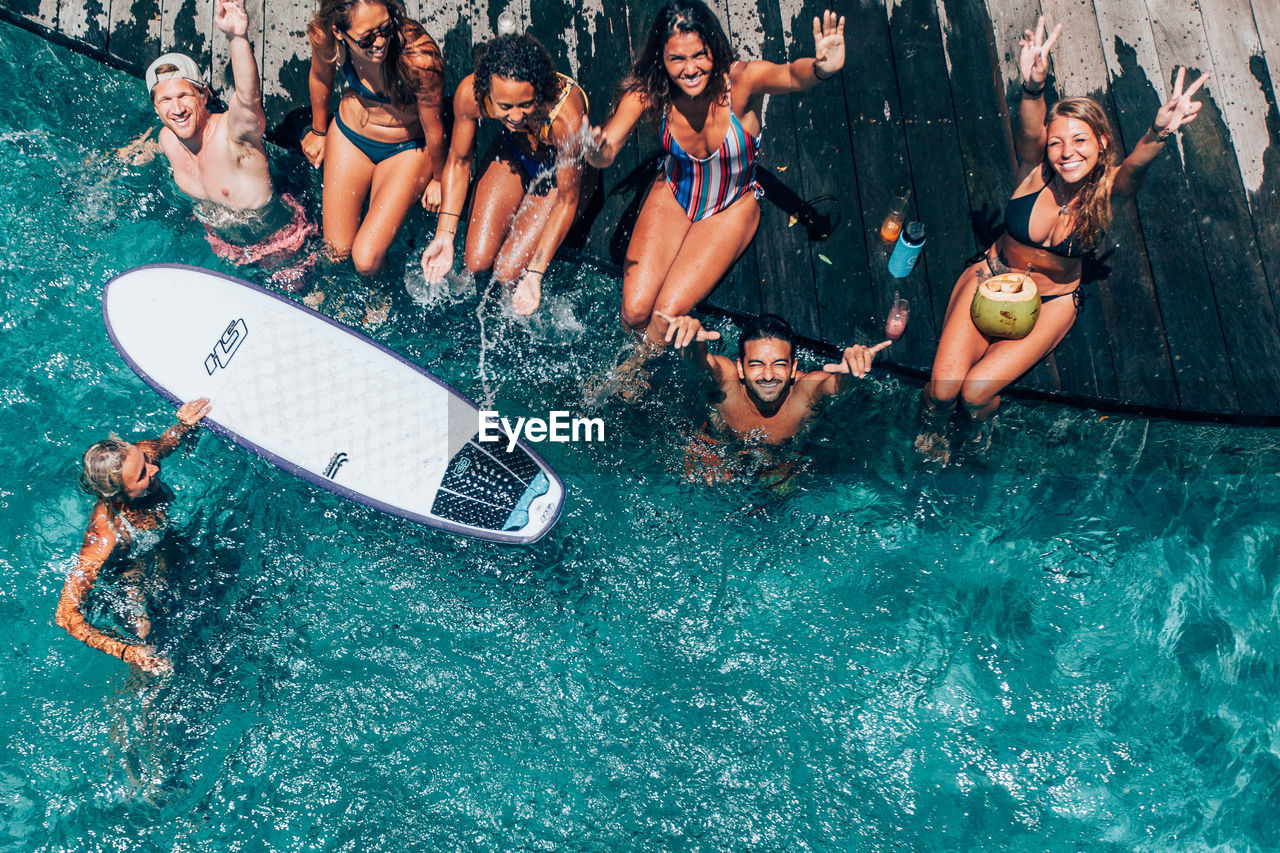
{"points": [[183, 66]]}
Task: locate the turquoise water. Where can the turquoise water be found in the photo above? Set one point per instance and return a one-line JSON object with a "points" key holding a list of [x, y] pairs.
{"points": [[1064, 641]]}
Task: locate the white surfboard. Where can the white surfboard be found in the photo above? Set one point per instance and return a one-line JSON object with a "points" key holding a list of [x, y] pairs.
{"points": [[326, 404]]}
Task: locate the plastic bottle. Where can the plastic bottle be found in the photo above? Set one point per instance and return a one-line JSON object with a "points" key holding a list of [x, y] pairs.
{"points": [[893, 219], [907, 250]]}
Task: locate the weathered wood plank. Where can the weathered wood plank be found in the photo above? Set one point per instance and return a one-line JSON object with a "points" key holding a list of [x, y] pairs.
{"points": [[286, 55], [937, 166], [882, 172], [1232, 39], [85, 21], [1130, 307], [1244, 305], [1178, 268], [1009, 19], [782, 263], [185, 26], [135, 31]]}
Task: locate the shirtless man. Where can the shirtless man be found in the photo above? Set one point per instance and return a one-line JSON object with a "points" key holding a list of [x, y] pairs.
{"points": [[219, 159], [762, 395]]}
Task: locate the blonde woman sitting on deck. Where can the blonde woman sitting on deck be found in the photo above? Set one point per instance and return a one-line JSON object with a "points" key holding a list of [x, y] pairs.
{"points": [[1066, 180]]}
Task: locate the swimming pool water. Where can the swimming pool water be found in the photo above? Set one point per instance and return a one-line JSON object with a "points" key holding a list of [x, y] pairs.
{"points": [[1063, 641]]}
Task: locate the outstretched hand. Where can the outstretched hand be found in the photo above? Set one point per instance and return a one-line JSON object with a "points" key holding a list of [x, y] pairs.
{"points": [[189, 414], [828, 40], [232, 18], [593, 141], [1179, 109], [684, 330], [437, 258], [1034, 60], [145, 658], [857, 359]]}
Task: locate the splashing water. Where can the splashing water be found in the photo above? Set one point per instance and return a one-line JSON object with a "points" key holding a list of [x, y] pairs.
{"points": [[1062, 641]]}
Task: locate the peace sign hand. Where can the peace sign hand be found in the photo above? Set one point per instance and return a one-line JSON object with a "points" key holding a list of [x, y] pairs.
{"points": [[1034, 60], [1179, 109], [828, 39]]}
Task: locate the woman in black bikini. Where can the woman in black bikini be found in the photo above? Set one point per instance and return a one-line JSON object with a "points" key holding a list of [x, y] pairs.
{"points": [[386, 141], [1066, 179]]}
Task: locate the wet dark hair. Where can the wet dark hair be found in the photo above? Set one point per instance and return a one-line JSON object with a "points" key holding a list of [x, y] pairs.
{"points": [[518, 57], [648, 75], [766, 326], [403, 76]]}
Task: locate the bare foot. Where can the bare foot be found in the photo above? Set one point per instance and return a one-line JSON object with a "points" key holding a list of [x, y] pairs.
{"points": [[934, 447], [376, 315]]}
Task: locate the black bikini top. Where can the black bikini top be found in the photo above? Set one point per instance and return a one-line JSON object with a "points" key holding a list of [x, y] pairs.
{"points": [[355, 84], [1017, 222]]}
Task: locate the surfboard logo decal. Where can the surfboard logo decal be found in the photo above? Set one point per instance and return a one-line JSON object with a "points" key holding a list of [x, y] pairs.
{"points": [[336, 461], [226, 346]]}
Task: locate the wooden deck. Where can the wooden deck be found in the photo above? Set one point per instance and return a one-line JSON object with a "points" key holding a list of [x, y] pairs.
{"points": [[1182, 313]]}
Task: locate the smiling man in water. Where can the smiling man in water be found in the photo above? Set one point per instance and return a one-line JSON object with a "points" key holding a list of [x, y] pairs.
{"points": [[762, 396], [219, 159]]}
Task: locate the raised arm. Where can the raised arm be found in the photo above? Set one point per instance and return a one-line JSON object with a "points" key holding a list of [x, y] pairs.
{"points": [[320, 87], [246, 119], [189, 414], [1176, 112], [768, 78], [1033, 62], [99, 540], [437, 258], [607, 141]]}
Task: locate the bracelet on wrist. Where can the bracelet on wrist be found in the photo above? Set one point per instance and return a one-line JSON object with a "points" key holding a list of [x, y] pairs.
{"points": [[818, 76], [1160, 135], [1033, 93], [538, 273], [316, 132]]}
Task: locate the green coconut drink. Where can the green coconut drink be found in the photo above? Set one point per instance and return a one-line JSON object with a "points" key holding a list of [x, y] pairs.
{"points": [[1006, 306]]}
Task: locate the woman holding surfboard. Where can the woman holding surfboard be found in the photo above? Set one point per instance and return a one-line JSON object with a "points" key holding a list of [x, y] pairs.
{"points": [[126, 522]]}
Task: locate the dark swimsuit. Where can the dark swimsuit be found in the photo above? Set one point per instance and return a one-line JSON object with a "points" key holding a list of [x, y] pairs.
{"points": [[540, 169], [373, 149], [1017, 224]]}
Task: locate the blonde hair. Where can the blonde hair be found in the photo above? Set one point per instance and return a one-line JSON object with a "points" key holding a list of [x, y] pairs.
{"points": [[1093, 201], [100, 468]]}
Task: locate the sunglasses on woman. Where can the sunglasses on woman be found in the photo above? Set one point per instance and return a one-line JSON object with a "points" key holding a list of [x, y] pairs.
{"points": [[366, 41]]}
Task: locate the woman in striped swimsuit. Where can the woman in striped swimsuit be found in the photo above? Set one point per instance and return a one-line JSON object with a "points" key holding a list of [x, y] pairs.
{"points": [[702, 210]]}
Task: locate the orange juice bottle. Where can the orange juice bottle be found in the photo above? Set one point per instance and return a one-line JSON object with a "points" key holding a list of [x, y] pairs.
{"points": [[892, 225]]}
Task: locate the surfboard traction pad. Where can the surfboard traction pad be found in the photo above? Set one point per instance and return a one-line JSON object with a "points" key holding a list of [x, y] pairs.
{"points": [[486, 490]]}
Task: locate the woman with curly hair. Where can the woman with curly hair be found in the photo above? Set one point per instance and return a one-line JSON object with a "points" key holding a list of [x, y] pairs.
{"points": [[531, 189], [386, 141], [701, 211], [127, 520], [1066, 180]]}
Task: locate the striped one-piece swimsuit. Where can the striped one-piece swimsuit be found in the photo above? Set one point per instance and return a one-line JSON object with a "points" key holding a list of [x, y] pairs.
{"points": [[709, 185]]}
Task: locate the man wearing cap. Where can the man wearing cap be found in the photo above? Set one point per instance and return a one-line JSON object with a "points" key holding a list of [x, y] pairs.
{"points": [[219, 159]]}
